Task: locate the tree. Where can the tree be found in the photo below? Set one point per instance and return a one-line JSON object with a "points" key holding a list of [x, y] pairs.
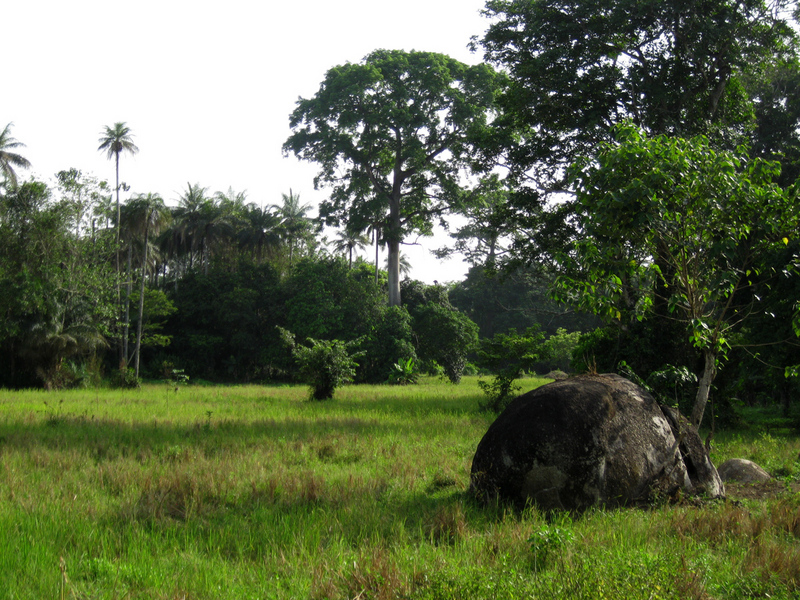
{"points": [[707, 215], [114, 141], [56, 290], [10, 159], [150, 215], [324, 365], [295, 225], [348, 240], [578, 67], [393, 136], [444, 335]]}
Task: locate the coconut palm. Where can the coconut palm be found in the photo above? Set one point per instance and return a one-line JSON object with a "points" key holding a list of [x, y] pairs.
{"points": [[10, 159], [150, 215]]}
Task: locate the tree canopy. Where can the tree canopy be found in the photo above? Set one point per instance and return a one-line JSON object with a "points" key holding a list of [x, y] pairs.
{"points": [[578, 67], [673, 219], [393, 136]]}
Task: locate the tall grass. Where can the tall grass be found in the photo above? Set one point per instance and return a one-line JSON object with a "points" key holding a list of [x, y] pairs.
{"points": [[253, 492]]}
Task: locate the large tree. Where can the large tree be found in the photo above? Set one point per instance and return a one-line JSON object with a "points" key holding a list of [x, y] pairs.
{"points": [[393, 135], [9, 159], [673, 220], [577, 67]]}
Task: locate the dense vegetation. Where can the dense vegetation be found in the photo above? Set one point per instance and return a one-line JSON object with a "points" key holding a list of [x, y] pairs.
{"points": [[638, 163]]}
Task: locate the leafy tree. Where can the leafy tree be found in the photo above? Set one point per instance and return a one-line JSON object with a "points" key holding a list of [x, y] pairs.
{"points": [[324, 364], [444, 335], [327, 300], [707, 215], [56, 290], [85, 195], [224, 328], [508, 356], [498, 301], [578, 67], [389, 342], [9, 159], [393, 136]]}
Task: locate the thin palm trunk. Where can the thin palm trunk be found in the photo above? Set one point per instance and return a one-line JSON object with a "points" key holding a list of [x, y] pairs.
{"points": [[137, 351], [127, 321], [123, 349]]}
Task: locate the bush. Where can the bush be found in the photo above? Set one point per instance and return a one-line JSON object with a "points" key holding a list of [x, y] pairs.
{"points": [[508, 355], [324, 365]]}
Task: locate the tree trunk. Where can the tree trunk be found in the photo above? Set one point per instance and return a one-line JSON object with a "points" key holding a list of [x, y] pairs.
{"points": [[122, 356], [141, 303], [126, 323], [393, 243], [376, 233], [709, 372]]}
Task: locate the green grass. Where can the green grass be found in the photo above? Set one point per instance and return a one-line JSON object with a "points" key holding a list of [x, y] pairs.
{"points": [[253, 492]]}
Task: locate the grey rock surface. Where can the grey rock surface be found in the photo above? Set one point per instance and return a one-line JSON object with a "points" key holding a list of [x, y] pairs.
{"points": [[590, 440]]}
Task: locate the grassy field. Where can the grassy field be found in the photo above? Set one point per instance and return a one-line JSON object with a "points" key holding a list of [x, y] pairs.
{"points": [[253, 492]]}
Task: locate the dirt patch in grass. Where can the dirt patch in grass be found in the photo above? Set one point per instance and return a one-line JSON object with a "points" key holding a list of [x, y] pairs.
{"points": [[768, 490]]}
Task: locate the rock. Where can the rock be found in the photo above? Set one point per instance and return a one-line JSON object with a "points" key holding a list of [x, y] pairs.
{"points": [[590, 440], [741, 470]]}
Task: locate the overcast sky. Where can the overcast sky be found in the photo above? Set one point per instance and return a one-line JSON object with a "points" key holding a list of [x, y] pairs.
{"points": [[206, 87]]}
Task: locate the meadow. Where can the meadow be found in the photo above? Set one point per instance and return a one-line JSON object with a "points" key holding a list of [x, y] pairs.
{"points": [[253, 492]]}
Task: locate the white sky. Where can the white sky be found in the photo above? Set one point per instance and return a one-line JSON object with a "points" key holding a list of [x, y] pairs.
{"points": [[206, 87]]}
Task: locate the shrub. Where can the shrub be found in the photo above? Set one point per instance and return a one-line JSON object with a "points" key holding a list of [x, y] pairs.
{"points": [[508, 355], [324, 365]]}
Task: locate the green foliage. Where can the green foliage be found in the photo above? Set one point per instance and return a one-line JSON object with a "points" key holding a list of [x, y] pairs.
{"points": [[508, 356], [324, 365], [674, 68], [673, 385], [445, 336], [421, 110], [157, 308], [559, 348], [498, 301], [404, 373], [56, 289], [389, 343], [126, 379], [673, 225]]}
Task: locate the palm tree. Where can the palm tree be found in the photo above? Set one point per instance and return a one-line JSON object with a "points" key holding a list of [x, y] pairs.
{"points": [[260, 232], [294, 222], [114, 141], [9, 159], [149, 216], [347, 241]]}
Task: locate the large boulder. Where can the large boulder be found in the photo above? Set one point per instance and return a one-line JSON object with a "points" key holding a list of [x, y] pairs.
{"points": [[590, 440]]}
